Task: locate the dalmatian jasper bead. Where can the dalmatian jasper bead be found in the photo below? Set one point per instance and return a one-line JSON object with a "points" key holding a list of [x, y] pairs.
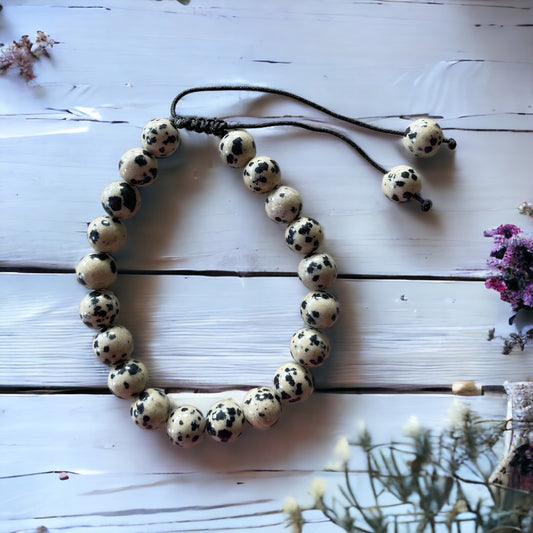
{"points": [[293, 382], [283, 204], [186, 426], [261, 174], [317, 271], [113, 345], [150, 409], [127, 378], [304, 235], [138, 167], [423, 137], [310, 347], [401, 183], [262, 407], [121, 200], [225, 421], [319, 309], [106, 234], [237, 148], [96, 271], [160, 137], [99, 309]]}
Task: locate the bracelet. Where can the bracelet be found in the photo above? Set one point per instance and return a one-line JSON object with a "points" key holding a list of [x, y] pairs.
{"points": [[309, 347]]}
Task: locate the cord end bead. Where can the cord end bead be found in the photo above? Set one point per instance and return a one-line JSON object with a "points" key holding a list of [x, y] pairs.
{"points": [[425, 205], [452, 143]]}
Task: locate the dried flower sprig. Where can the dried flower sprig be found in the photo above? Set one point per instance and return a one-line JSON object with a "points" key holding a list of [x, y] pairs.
{"points": [[24, 52], [525, 208], [427, 482], [511, 258]]}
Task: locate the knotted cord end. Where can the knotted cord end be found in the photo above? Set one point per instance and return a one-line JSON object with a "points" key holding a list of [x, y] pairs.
{"points": [[209, 126]]}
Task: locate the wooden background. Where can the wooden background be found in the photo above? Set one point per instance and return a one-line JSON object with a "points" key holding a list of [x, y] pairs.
{"points": [[208, 286]]}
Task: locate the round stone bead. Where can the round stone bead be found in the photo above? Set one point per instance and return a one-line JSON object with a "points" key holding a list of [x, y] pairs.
{"points": [[304, 235], [262, 407], [185, 426], [319, 309], [96, 270], [293, 382], [317, 271], [261, 174], [127, 378], [106, 234], [99, 309], [401, 183], [236, 148], [283, 204], [423, 137], [113, 345], [225, 421], [150, 409], [121, 200], [309, 347], [160, 137], [138, 167]]}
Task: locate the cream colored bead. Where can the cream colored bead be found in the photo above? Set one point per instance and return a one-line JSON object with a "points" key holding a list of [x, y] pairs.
{"points": [[319, 309], [138, 167], [225, 421], [293, 382], [127, 378], [304, 235], [150, 409], [113, 345], [401, 183], [99, 309], [186, 426], [96, 271], [160, 137], [262, 407], [309, 347], [423, 137], [261, 174], [236, 148], [121, 200], [283, 204], [317, 271], [106, 234]]}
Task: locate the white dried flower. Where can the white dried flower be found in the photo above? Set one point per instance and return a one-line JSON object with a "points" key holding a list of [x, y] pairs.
{"points": [[292, 508], [317, 491], [342, 456], [412, 428], [457, 413]]}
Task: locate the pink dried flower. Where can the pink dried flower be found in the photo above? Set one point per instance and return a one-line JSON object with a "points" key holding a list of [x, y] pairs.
{"points": [[23, 53], [512, 260]]}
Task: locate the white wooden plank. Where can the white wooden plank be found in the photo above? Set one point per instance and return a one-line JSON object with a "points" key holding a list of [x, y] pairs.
{"points": [[121, 476], [205, 332], [199, 216]]}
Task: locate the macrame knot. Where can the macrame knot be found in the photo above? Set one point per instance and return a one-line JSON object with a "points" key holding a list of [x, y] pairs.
{"points": [[210, 126]]}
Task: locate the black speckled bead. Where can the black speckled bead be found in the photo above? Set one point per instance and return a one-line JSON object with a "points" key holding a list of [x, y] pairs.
{"points": [[138, 167], [186, 426], [150, 409], [236, 148], [319, 309], [293, 382], [127, 378], [121, 200], [304, 235], [96, 270], [99, 309], [225, 421], [262, 407]]}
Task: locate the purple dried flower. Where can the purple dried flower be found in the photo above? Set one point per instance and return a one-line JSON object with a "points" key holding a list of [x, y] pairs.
{"points": [[512, 260]]}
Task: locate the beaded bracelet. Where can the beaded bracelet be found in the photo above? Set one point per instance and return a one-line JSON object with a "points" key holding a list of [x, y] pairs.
{"points": [[319, 309]]}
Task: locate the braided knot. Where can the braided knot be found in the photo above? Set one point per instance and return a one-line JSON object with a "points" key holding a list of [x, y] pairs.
{"points": [[210, 126]]}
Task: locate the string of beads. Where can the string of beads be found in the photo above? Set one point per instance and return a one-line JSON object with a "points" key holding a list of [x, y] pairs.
{"points": [[309, 347]]}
